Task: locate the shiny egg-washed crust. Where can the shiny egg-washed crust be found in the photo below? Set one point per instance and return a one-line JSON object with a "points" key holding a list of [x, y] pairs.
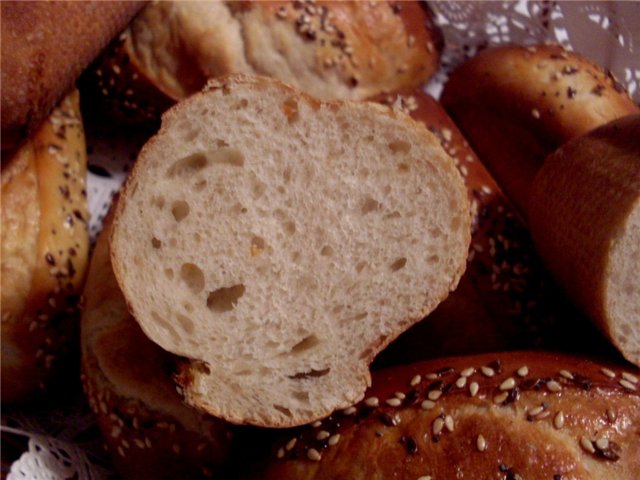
{"points": [[148, 431], [45, 245], [45, 47], [516, 105], [331, 50], [509, 416]]}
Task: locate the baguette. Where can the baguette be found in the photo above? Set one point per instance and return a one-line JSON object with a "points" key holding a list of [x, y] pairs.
{"points": [[328, 229]]}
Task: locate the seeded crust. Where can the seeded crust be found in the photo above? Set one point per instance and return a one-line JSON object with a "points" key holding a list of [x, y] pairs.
{"points": [[584, 212], [45, 245], [299, 347], [328, 49], [516, 105], [512, 415]]}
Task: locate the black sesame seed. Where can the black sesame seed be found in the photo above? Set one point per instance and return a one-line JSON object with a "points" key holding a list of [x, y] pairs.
{"points": [[444, 371], [409, 443], [50, 260], [597, 90], [569, 70], [496, 365], [411, 397], [502, 467], [388, 420], [571, 92]]}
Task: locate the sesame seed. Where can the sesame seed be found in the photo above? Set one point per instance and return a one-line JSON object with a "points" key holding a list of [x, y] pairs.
{"points": [[627, 384], [425, 477], [587, 445], [415, 380], [566, 374], [438, 425], [349, 411], [523, 371], [120, 451], [434, 395], [448, 422], [400, 395], [535, 113], [322, 435], [393, 402], [372, 402], [602, 443], [316, 424], [608, 373], [554, 386], [116, 431], [138, 443], [487, 371], [611, 415], [461, 382], [431, 376], [536, 411], [176, 448], [467, 372], [147, 442], [313, 454], [481, 443], [32, 326], [427, 405], [543, 415], [473, 388], [290, 444], [508, 384], [125, 444], [501, 397], [629, 377], [334, 439], [558, 420]]}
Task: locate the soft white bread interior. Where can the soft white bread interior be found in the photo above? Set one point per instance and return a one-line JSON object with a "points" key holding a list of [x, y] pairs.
{"points": [[280, 242], [584, 214]]}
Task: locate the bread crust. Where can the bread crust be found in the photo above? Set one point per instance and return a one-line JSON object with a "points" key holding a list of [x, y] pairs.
{"points": [[516, 105], [505, 415], [45, 244]]}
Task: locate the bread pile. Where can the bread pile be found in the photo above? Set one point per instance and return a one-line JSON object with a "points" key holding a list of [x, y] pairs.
{"points": [[277, 234]]}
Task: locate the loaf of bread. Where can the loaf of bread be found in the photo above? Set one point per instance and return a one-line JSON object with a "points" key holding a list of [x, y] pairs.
{"points": [[516, 105], [331, 50], [45, 245], [584, 213], [280, 242], [506, 416], [45, 47]]}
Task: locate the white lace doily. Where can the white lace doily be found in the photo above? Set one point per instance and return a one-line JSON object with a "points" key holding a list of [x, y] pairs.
{"points": [[63, 442]]}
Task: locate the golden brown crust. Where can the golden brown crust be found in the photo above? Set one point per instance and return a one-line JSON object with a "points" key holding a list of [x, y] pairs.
{"points": [[45, 255], [516, 105], [503, 416], [45, 47]]}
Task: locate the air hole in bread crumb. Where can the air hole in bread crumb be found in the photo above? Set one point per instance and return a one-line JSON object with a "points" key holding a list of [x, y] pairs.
{"points": [[305, 344], [155, 243], [225, 299], [179, 210], [257, 245], [360, 266], [193, 277], [290, 109], [403, 168], [435, 232], [158, 201], [243, 103], [186, 323], [295, 256], [433, 259], [399, 146], [301, 396], [286, 175], [188, 165], [369, 205], [168, 272], [258, 189], [190, 135], [187, 306], [326, 251], [284, 410], [398, 264], [200, 185], [337, 309], [164, 324], [289, 227]]}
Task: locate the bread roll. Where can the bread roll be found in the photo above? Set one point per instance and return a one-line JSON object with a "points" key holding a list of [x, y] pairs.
{"points": [[331, 50], [148, 431], [44, 251], [584, 212], [516, 105], [45, 47], [319, 231], [505, 416]]}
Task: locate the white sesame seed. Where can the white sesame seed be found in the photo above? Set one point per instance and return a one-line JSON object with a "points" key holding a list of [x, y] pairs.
{"points": [[316, 424], [558, 420], [313, 454], [487, 371], [120, 451], [416, 380], [116, 431], [535, 411], [372, 402], [553, 386], [535, 113], [431, 376], [434, 395], [501, 397], [425, 477], [481, 443], [543, 415], [461, 382], [566, 374], [147, 442], [438, 425], [608, 373], [611, 415], [447, 134], [334, 439], [125, 444], [508, 384], [138, 443], [602, 443], [467, 372], [629, 377], [322, 435], [523, 371], [393, 402], [587, 445], [427, 405], [349, 411], [291, 443], [280, 453], [473, 388], [627, 384], [400, 395], [33, 325], [176, 448], [448, 422]]}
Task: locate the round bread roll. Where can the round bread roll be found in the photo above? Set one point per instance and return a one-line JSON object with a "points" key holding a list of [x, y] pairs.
{"points": [[331, 50], [505, 416], [45, 245], [584, 213], [45, 47], [148, 431], [516, 105]]}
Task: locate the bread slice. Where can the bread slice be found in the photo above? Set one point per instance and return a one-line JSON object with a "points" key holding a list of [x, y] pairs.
{"points": [[279, 243]]}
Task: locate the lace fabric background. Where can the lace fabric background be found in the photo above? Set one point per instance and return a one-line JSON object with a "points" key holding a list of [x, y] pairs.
{"points": [[62, 441]]}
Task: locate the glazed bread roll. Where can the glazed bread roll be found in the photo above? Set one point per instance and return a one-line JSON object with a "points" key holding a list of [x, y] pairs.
{"points": [[516, 105], [584, 213], [45, 47], [148, 431], [44, 251], [320, 231], [331, 50], [509, 416]]}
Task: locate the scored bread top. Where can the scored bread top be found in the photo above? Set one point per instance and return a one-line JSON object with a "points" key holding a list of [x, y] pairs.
{"points": [[279, 243]]}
